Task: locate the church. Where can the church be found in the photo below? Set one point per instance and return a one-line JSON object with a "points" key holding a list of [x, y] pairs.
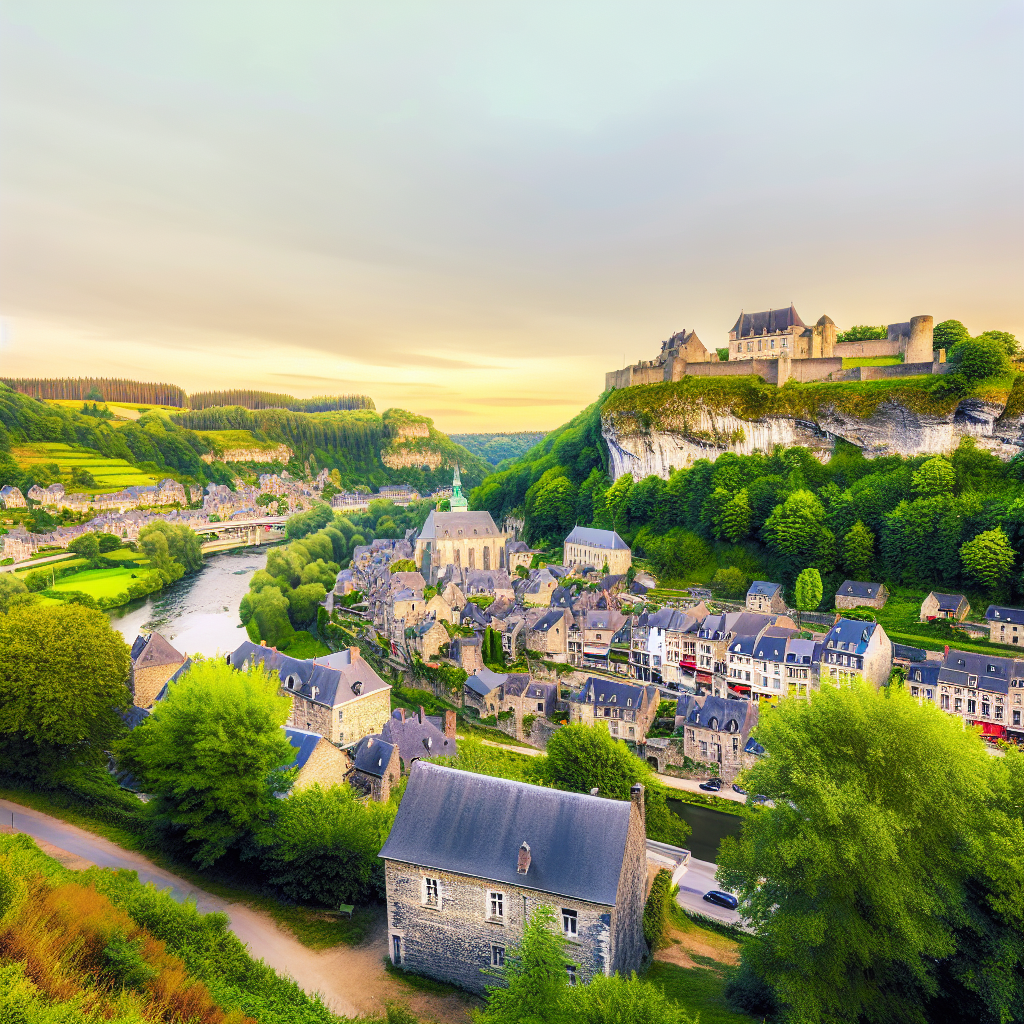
{"points": [[467, 539]]}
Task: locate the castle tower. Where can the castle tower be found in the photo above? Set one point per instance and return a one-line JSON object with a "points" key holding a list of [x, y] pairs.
{"points": [[919, 348], [458, 502]]}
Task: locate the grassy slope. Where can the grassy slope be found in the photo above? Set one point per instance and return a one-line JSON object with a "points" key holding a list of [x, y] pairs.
{"points": [[225, 440], [110, 474], [99, 582]]}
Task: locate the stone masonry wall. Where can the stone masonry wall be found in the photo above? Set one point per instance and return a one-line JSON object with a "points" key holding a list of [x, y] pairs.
{"points": [[148, 682], [364, 716], [629, 946], [326, 767], [453, 943]]}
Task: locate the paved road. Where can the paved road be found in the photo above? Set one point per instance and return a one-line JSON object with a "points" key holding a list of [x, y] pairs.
{"points": [[692, 786], [350, 980], [31, 563], [699, 879]]}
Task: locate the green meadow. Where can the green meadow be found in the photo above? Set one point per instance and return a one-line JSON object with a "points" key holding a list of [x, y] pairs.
{"points": [[109, 474]]}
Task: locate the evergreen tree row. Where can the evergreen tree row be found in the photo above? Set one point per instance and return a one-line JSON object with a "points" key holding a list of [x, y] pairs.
{"points": [[100, 389], [269, 400]]}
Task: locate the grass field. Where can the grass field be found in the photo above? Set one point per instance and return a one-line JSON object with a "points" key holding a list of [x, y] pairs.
{"points": [[131, 409], [99, 582], [849, 364], [110, 474], [224, 440]]}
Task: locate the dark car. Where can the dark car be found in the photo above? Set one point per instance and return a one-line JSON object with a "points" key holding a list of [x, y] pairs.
{"points": [[760, 799], [739, 789], [712, 785], [722, 899]]}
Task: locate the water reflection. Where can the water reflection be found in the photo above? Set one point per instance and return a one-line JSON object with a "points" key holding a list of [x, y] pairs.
{"points": [[198, 614], [709, 828]]}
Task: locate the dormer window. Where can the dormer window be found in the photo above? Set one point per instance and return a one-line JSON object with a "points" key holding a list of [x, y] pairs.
{"points": [[629, 702]]}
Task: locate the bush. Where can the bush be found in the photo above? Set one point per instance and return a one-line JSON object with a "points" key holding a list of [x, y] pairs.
{"points": [[656, 909], [980, 358], [731, 582]]}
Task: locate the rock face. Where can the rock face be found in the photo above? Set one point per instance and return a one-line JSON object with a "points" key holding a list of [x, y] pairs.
{"points": [[400, 457], [280, 453], [891, 430]]}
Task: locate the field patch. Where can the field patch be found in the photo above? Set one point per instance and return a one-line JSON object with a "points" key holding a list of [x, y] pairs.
{"points": [[227, 440], [99, 583], [110, 474]]}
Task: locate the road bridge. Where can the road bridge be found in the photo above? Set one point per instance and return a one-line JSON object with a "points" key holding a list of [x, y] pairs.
{"points": [[236, 533]]}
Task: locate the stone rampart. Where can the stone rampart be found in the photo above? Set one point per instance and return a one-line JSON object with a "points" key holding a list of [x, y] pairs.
{"points": [[870, 349], [898, 370]]}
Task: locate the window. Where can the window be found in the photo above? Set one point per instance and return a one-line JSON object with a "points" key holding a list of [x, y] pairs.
{"points": [[703, 748], [1016, 717], [945, 702], [497, 956], [972, 706], [915, 691], [958, 704], [735, 744], [396, 949], [431, 892], [569, 923], [540, 705], [999, 712], [570, 970], [496, 906]]}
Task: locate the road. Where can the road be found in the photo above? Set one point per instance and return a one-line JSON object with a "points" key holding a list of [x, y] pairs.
{"points": [[699, 879], [692, 786], [31, 563], [350, 979]]}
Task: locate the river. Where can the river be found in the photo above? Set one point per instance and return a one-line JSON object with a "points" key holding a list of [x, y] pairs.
{"points": [[709, 828], [199, 613]]}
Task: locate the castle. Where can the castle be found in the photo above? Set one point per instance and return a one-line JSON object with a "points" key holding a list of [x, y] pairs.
{"points": [[777, 346]]}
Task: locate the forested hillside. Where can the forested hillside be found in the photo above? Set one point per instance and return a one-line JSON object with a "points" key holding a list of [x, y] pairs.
{"points": [[269, 400], [948, 522], [495, 448]]}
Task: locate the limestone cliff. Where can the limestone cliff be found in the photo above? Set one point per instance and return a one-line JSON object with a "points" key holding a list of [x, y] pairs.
{"points": [[658, 428], [276, 453]]}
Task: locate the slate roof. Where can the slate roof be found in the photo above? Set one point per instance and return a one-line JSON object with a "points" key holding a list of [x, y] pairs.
{"points": [[610, 691], [483, 681], [929, 673], [907, 653], [773, 320], [133, 716], [440, 525], [474, 825], [591, 537], [761, 588], [304, 743], [153, 650], [951, 602], [548, 619], [993, 672], [334, 677], [1000, 613], [852, 635], [372, 755], [852, 588], [743, 645], [416, 737], [802, 652], [717, 713]]}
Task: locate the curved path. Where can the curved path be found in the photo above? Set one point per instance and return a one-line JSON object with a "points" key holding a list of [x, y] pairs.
{"points": [[351, 980]]}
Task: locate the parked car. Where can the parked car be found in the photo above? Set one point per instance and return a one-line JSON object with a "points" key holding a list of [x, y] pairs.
{"points": [[722, 899], [760, 799], [712, 785], [739, 789]]}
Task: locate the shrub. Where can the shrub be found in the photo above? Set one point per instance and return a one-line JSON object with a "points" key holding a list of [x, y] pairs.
{"points": [[656, 909]]}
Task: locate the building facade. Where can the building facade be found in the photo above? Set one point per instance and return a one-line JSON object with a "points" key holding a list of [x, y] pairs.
{"points": [[598, 548]]}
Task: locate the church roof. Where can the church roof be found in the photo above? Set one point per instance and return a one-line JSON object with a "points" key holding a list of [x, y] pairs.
{"points": [[771, 320], [441, 525]]}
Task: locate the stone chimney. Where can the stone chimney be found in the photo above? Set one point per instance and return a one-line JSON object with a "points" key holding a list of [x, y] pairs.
{"points": [[353, 653], [263, 643], [524, 858], [449, 723], [423, 715], [636, 797]]}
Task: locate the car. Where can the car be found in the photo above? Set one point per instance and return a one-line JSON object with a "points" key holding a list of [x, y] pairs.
{"points": [[722, 899], [760, 799], [739, 789], [712, 785]]}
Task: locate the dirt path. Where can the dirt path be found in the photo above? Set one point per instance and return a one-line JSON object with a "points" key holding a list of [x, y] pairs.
{"points": [[351, 980]]}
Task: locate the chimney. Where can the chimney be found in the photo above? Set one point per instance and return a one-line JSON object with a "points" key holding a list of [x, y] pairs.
{"points": [[449, 723], [399, 713], [636, 797], [353, 653], [263, 643], [945, 653], [423, 715], [524, 858]]}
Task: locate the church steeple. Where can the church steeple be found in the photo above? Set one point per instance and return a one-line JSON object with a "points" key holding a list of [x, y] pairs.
{"points": [[458, 502]]}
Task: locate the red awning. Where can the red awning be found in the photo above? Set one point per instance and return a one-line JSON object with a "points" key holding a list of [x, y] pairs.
{"points": [[991, 728]]}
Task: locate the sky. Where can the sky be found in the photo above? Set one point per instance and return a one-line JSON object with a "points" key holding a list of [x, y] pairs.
{"points": [[472, 209]]}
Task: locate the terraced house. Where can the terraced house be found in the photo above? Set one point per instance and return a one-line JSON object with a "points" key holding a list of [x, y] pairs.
{"points": [[984, 691], [853, 647], [626, 709]]}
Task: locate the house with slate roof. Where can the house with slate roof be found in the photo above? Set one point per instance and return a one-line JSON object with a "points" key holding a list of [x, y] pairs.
{"points": [[944, 606], [11, 497], [153, 662], [768, 664], [376, 767], [549, 633], [627, 709], [781, 332], [1005, 625], [984, 691], [339, 696], [587, 546], [716, 730], [470, 858], [853, 594], [853, 647], [318, 761], [421, 735], [492, 693], [766, 597]]}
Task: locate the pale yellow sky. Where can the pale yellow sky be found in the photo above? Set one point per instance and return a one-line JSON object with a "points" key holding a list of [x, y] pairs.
{"points": [[473, 211]]}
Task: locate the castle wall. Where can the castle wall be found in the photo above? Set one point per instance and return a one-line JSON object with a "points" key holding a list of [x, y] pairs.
{"points": [[806, 370], [869, 349], [899, 370]]}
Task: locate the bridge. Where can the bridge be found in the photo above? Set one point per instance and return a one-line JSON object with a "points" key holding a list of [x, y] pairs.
{"points": [[236, 533]]}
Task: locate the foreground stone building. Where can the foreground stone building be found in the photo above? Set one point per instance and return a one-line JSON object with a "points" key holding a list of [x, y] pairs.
{"points": [[154, 662], [598, 548], [470, 858], [716, 730]]}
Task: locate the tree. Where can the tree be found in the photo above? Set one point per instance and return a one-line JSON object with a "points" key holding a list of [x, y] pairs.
{"points": [[851, 878], [863, 332], [10, 588], [978, 358], [795, 532], [988, 558], [1004, 338], [935, 476], [949, 334], [402, 565], [808, 590], [303, 602], [735, 522], [88, 546], [209, 752], [730, 582], [858, 550], [582, 757], [172, 549], [63, 679]]}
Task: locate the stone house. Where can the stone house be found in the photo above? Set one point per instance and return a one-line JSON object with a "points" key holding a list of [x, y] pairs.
{"points": [[781, 332], [427, 638], [466, 653], [492, 693], [470, 858], [853, 647], [11, 497], [376, 767], [1005, 625], [454, 598], [153, 662], [944, 606], [716, 729], [319, 762], [492, 582], [549, 632], [517, 554], [861, 595], [983, 690], [713, 637], [679, 659], [422, 735], [594, 632], [340, 696], [803, 658], [587, 546], [440, 609], [766, 597], [628, 710], [536, 590], [513, 636]]}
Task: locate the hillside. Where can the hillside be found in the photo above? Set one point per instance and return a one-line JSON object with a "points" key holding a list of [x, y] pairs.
{"points": [[495, 448], [707, 474]]}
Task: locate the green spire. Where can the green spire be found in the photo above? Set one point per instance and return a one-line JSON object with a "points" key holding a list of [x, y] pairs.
{"points": [[458, 502]]}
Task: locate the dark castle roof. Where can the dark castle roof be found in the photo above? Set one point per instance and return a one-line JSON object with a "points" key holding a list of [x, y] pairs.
{"points": [[772, 320]]}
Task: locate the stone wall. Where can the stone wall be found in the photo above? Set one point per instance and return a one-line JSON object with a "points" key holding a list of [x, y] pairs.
{"points": [[453, 942], [869, 349], [325, 767], [364, 716], [628, 944], [897, 370]]}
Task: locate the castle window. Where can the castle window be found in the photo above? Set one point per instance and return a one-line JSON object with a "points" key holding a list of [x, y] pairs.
{"points": [[569, 923], [497, 956]]}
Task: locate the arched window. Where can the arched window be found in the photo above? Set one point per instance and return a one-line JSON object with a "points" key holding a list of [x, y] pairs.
{"points": [[487, 557]]}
